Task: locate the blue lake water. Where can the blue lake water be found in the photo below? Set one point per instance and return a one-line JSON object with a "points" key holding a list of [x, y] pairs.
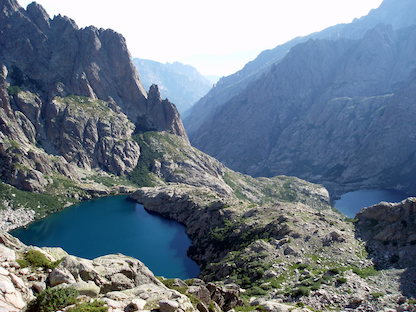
{"points": [[115, 225], [351, 203]]}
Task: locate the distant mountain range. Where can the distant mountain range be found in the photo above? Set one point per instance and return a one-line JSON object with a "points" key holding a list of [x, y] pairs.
{"points": [[181, 84], [333, 107]]}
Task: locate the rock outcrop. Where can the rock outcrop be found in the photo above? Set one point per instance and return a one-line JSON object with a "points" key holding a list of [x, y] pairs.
{"points": [[117, 280], [389, 229]]}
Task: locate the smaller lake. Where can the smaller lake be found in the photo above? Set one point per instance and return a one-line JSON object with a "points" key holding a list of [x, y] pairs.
{"points": [[351, 203], [115, 224]]}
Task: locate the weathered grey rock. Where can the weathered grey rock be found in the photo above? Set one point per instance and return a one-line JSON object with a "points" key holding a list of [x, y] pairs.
{"points": [[389, 229], [135, 305], [60, 276], [333, 237], [38, 286], [86, 288], [168, 306], [227, 296]]}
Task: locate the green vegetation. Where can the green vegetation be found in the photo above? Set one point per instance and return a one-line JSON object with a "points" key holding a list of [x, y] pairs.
{"points": [[87, 105], [43, 204], [341, 280], [377, 295], [13, 90], [111, 180], [365, 272], [53, 299], [95, 306], [170, 283], [37, 259], [141, 175], [229, 179], [300, 291]]}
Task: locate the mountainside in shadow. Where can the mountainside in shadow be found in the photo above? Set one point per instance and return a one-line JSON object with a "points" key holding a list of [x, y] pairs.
{"points": [[397, 13], [182, 84], [334, 112]]}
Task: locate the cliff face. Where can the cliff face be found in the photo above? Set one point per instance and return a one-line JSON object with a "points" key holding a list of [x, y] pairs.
{"points": [[392, 12], [55, 58], [70, 99], [333, 112]]}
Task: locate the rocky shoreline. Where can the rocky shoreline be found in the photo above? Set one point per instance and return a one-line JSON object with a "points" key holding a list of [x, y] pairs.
{"points": [[11, 219]]}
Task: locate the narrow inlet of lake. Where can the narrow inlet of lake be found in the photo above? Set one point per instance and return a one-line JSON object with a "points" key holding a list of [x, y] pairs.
{"points": [[351, 203], [115, 224]]}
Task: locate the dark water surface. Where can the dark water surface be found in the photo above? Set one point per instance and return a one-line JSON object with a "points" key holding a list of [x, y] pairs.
{"points": [[115, 225], [352, 202]]}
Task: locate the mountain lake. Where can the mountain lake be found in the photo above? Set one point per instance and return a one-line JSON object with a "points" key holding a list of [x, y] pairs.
{"points": [[115, 224], [351, 203]]}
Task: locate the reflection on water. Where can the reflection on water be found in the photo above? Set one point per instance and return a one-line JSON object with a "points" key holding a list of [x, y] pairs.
{"points": [[116, 225]]}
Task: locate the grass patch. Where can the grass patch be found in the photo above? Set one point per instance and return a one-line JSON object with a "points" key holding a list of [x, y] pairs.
{"points": [[36, 259], [377, 295], [365, 272], [95, 306], [142, 175], [43, 204], [13, 90], [53, 299]]}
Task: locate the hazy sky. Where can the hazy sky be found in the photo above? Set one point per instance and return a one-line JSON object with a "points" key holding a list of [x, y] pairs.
{"points": [[216, 36]]}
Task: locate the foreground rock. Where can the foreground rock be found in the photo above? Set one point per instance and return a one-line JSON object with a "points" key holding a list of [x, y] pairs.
{"points": [[390, 232], [118, 280], [123, 283]]}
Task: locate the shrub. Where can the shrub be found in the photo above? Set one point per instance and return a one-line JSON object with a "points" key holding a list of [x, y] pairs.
{"points": [[365, 272], [334, 271], [13, 90], [95, 306], [377, 295], [341, 280], [53, 299], [37, 259], [255, 291], [300, 291]]}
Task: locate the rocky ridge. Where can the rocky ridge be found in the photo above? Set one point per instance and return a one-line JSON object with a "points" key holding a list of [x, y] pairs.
{"points": [[390, 12], [355, 97]]}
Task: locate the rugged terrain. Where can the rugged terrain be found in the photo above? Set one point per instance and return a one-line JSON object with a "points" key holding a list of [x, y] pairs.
{"points": [[75, 123], [332, 112], [70, 101], [181, 84], [330, 108]]}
